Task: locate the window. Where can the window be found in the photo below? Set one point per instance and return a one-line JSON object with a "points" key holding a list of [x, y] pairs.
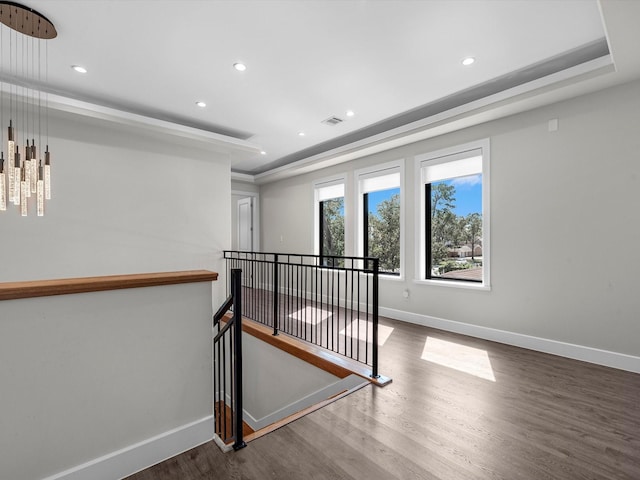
{"points": [[380, 226], [454, 225], [329, 198]]}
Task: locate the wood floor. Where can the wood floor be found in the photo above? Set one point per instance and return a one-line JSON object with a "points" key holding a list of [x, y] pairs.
{"points": [[544, 417]]}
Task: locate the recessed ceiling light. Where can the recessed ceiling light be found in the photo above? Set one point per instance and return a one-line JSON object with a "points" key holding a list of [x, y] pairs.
{"points": [[79, 69], [263, 152], [201, 104], [301, 134], [468, 61], [350, 113], [241, 67]]}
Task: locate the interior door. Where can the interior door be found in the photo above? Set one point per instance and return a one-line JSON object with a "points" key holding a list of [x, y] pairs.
{"points": [[245, 224]]}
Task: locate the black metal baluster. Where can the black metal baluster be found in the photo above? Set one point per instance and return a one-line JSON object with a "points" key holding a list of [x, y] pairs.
{"points": [[299, 299], [315, 302], [366, 345], [276, 282], [217, 388], [232, 376], [339, 310], [252, 305], [330, 317], [291, 299], [224, 389], [264, 268], [237, 353], [307, 333], [351, 319], [376, 271], [333, 316]]}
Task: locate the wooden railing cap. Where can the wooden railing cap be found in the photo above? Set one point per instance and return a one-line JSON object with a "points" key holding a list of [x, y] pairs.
{"points": [[66, 286]]}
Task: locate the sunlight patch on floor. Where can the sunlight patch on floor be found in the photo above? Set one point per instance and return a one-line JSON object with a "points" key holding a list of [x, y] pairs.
{"points": [[473, 361], [310, 315], [364, 330]]}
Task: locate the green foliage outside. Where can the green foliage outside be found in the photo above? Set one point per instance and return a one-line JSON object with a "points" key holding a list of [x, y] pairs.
{"points": [[333, 227], [451, 265], [450, 231], [384, 234]]}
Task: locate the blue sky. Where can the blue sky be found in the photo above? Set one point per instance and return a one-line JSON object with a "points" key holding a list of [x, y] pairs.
{"points": [[468, 195], [376, 197]]}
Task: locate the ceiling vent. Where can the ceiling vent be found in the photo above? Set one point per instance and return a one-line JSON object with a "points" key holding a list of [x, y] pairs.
{"points": [[332, 121]]}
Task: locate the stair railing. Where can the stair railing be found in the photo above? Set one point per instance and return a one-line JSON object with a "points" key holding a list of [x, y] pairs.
{"points": [[329, 301], [227, 369]]}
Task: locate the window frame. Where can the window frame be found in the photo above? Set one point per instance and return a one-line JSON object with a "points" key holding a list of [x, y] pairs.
{"points": [[396, 166], [340, 179], [444, 156]]}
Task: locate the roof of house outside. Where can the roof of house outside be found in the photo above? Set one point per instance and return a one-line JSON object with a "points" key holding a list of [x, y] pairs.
{"points": [[468, 274]]}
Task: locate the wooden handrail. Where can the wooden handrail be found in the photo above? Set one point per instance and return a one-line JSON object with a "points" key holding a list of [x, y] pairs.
{"points": [[66, 286]]}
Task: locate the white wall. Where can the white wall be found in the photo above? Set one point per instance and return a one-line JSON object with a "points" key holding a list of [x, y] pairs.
{"points": [[287, 215], [85, 375], [564, 210], [277, 384]]}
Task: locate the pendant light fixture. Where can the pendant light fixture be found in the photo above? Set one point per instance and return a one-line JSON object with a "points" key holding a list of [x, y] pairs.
{"points": [[25, 182]]}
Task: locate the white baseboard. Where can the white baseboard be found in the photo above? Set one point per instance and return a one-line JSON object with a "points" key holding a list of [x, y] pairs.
{"points": [[606, 358], [350, 384], [137, 457]]}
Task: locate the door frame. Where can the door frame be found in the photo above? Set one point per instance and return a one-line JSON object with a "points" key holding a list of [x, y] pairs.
{"points": [[255, 217]]}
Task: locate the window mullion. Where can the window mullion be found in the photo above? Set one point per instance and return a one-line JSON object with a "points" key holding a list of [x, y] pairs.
{"points": [[365, 213], [427, 231], [321, 230]]}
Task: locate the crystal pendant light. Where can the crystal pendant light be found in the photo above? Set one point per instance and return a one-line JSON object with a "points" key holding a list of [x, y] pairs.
{"points": [[17, 175], [47, 174], [24, 188], [3, 185], [40, 191], [26, 170], [28, 180], [34, 166], [11, 150]]}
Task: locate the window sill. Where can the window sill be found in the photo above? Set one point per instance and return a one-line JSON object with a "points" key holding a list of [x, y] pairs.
{"points": [[392, 278], [454, 284]]}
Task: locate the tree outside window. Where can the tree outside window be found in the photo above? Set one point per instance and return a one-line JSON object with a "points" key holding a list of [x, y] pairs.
{"points": [[332, 227], [382, 218], [329, 232], [454, 246]]}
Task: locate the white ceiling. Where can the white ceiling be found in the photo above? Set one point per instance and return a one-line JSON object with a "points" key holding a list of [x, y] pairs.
{"points": [[309, 60]]}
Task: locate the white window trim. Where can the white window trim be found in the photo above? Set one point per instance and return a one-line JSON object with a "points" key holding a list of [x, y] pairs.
{"points": [[420, 241], [359, 242], [317, 184]]}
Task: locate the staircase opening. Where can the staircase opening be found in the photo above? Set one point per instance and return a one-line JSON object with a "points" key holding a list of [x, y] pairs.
{"points": [[311, 337]]}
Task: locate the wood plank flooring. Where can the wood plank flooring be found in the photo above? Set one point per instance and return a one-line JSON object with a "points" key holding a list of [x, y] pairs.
{"points": [[544, 417]]}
